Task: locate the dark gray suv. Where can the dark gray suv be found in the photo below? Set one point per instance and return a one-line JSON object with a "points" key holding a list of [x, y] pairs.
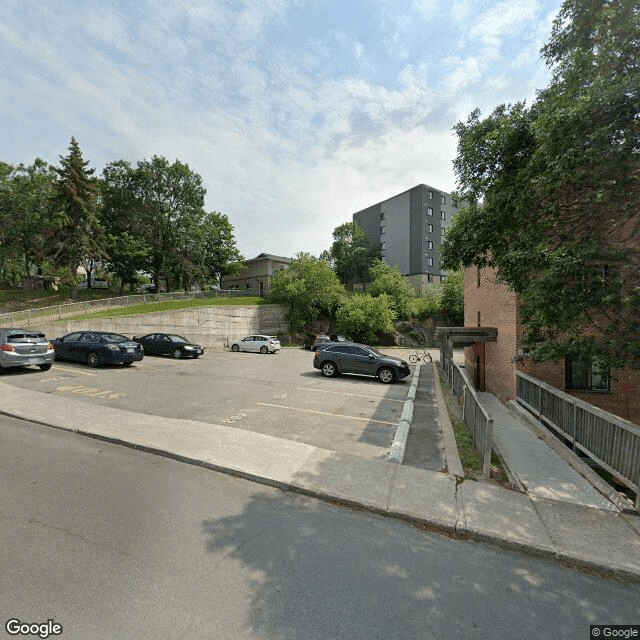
{"points": [[350, 357], [22, 347]]}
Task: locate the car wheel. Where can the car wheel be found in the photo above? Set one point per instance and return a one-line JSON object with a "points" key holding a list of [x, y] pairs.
{"points": [[93, 360], [235, 347], [196, 356], [45, 367], [264, 350], [329, 369], [177, 354], [386, 375]]}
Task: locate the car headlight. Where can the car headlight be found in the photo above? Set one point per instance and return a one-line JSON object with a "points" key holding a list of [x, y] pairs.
{"points": [[188, 348]]}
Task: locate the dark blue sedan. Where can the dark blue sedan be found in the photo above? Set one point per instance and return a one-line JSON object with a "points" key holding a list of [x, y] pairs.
{"points": [[98, 347]]}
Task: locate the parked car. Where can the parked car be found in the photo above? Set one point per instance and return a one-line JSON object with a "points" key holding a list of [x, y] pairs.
{"points": [[98, 347], [23, 347], [169, 344], [262, 344], [145, 288], [313, 341], [351, 357], [95, 284]]}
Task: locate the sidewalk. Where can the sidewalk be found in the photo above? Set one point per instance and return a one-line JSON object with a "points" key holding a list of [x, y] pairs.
{"points": [[599, 539]]}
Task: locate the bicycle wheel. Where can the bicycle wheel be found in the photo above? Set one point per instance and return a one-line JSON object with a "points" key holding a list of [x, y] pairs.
{"points": [[427, 358], [413, 358]]}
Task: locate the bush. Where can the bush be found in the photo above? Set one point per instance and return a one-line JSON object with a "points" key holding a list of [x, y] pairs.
{"points": [[363, 317]]}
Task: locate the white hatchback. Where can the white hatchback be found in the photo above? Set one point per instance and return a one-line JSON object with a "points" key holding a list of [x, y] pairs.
{"points": [[257, 344]]}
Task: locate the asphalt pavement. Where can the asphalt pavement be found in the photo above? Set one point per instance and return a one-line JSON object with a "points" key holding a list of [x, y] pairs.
{"points": [[602, 539]]}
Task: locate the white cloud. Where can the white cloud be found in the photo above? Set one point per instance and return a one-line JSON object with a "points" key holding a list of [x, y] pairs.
{"points": [[291, 134]]}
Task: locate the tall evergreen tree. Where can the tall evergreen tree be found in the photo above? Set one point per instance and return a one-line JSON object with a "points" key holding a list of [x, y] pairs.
{"points": [[76, 231]]}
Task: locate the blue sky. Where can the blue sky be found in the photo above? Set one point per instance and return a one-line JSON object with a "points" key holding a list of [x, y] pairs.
{"points": [[296, 113]]}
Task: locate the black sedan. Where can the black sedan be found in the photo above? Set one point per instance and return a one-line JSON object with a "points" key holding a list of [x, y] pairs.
{"points": [[98, 347], [169, 344], [350, 357]]}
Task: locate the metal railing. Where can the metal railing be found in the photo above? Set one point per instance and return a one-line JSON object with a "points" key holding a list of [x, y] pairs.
{"points": [[611, 442], [72, 309], [476, 417]]}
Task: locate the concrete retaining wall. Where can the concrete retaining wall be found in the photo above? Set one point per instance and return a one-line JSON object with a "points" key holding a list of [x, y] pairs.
{"points": [[208, 326]]}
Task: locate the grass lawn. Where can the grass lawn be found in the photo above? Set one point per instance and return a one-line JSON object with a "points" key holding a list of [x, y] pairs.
{"points": [[11, 301], [21, 300], [170, 305]]}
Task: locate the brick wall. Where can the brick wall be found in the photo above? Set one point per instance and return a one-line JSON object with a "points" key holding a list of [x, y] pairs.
{"points": [[491, 305], [497, 308]]}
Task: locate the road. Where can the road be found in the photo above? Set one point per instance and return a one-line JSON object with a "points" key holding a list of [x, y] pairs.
{"points": [[111, 542]]}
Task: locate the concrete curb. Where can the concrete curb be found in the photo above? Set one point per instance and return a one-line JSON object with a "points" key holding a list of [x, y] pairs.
{"points": [[454, 466], [399, 445]]}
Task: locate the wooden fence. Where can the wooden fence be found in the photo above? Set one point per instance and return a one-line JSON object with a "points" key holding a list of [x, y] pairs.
{"points": [[610, 441], [477, 418]]}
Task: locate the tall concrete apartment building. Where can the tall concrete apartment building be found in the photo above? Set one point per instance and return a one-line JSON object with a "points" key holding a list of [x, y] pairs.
{"points": [[409, 228]]}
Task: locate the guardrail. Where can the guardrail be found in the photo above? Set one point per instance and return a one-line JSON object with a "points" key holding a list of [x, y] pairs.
{"points": [[477, 418], [71, 309], [610, 441]]}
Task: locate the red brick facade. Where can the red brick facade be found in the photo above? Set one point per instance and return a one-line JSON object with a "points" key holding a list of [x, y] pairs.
{"points": [[490, 365]]}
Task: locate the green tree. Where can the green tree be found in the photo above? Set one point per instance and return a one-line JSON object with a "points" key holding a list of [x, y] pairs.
{"points": [[127, 245], [388, 280], [309, 288], [25, 196], [75, 228], [219, 254], [364, 317], [559, 184], [351, 255], [452, 297]]}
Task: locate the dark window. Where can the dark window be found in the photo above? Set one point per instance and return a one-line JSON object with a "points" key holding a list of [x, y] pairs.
{"points": [[579, 374]]}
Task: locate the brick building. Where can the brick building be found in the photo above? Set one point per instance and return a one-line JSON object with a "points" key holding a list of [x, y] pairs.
{"points": [[489, 304]]}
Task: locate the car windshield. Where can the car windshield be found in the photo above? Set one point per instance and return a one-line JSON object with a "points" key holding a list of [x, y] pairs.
{"points": [[175, 338], [114, 337]]}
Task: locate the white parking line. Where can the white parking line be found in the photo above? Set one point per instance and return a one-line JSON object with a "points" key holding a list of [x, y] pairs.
{"points": [[324, 413], [356, 395]]}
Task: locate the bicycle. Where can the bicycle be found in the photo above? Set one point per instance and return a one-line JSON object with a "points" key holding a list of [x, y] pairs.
{"points": [[425, 356]]}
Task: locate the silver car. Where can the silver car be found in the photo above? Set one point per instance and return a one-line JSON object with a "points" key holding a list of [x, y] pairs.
{"points": [[258, 344], [22, 347]]}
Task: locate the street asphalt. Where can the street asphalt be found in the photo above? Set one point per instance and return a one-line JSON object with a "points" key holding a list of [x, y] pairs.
{"points": [[552, 517]]}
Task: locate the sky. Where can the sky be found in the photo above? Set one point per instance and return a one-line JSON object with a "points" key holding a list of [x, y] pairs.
{"points": [[296, 113]]}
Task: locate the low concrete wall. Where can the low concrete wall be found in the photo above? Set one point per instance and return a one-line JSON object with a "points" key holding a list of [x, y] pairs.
{"points": [[208, 326]]}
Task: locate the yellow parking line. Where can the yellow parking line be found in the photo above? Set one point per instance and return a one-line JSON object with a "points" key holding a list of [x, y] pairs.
{"points": [[324, 413], [343, 393], [84, 373]]}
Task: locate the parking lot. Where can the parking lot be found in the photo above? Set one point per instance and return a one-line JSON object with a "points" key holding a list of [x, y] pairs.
{"points": [[278, 394]]}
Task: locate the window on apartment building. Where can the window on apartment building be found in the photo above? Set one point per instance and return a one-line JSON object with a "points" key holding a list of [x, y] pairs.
{"points": [[430, 245], [581, 375], [430, 211], [383, 215], [430, 228], [431, 262], [443, 199], [430, 195], [443, 215], [429, 278]]}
